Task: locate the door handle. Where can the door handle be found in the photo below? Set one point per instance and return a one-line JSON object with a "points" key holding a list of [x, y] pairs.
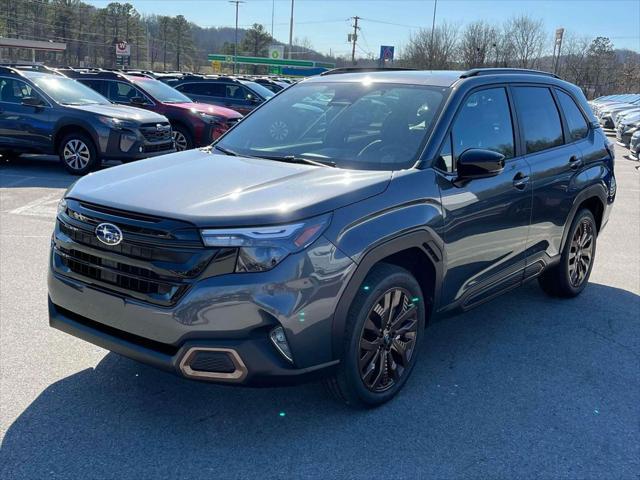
{"points": [[575, 162], [520, 181]]}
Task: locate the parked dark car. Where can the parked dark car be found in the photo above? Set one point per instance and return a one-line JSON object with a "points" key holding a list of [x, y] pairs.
{"points": [[48, 113], [194, 124], [240, 95], [325, 252]]}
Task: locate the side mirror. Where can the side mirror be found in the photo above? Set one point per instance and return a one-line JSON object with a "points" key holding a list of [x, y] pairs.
{"points": [[138, 101], [32, 102], [479, 163]]}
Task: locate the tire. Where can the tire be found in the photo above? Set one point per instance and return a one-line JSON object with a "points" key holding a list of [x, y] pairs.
{"points": [[568, 278], [182, 138], [78, 154], [355, 385]]}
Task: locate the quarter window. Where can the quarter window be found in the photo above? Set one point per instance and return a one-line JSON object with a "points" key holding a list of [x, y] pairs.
{"points": [[539, 117], [484, 122], [578, 127]]}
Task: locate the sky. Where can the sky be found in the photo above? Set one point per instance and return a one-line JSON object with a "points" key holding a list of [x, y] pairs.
{"points": [[326, 23]]}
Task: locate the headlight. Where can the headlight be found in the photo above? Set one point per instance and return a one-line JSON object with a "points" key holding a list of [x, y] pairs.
{"points": [[117, 123], [262, 248], [209, 118], [62, 206]]}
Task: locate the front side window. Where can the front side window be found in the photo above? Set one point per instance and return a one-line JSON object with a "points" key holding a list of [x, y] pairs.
{"points": [[578, 127], [121, 92], [484, 122], [350, 124], [539, 118], [14, 91]]}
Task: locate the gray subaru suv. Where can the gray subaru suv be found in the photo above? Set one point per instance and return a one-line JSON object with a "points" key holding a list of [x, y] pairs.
{"points": [[320, 236]]}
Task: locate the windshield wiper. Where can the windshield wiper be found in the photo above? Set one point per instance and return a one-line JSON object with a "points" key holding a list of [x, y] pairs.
{"points": [[226, 151], [294, 159]]}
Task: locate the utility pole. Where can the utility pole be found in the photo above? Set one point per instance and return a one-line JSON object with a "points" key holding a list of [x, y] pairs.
{"points": [[433, 29], [273, 13], [235, 45], [291, 32], [354, 39]]}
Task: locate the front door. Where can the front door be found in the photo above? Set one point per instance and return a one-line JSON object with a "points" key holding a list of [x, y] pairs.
{"points": [[23, 127], [486, 220]]}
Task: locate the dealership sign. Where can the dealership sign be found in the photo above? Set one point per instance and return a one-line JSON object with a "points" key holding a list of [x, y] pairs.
{"points": [[123, 49]]}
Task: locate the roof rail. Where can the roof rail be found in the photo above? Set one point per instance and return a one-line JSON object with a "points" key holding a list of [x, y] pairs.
{"points": [[34, 67], [475, 72], [362, 70]]}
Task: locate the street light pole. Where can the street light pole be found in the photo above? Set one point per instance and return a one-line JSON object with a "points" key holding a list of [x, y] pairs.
{"points": [[291, 31], [433, 27], [273, 13], [235, 45]]}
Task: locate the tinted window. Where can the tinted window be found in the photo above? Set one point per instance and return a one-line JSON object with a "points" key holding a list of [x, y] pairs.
{"points": [[539, 117], [97, 85], [206, 89], [484, 122], [13, 91], [578, 127], [121, 92]]}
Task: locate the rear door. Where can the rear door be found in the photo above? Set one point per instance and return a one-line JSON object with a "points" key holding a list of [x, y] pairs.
{"points": [[555, 158], [205, 92], [486, 220]]}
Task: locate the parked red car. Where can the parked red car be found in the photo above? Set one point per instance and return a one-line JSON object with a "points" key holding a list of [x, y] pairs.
{"points": [[194, 124]]}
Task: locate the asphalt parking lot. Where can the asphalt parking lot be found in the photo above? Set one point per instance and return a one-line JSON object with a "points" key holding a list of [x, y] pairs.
{"points": [[523, 387]]}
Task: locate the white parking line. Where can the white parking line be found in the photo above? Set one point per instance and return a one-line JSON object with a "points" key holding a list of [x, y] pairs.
{"points": [[45, 206]]}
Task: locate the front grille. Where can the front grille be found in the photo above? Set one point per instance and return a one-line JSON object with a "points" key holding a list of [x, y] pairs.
{"points": [[151, 148], [157, 260], [156, 132]]}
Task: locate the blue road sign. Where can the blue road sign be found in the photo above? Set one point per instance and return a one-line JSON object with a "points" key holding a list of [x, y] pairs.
{"points": [[386, 53]]}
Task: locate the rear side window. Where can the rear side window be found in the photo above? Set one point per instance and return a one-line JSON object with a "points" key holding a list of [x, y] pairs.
{"points": [[97, 85], [539, 117], [578, 127], [483, 122], [207, 89]]}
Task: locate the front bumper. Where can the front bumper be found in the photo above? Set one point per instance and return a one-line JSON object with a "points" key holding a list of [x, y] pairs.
{"points": [[261, 366], [128, 144], [230, 312]]}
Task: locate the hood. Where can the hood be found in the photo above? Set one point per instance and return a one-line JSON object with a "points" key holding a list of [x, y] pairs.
{"points": [[206, 108], [211, 190], [122, 112]]}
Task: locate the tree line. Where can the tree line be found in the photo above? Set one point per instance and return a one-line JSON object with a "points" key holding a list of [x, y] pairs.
{"points": [[171, 42], [523, 42]]}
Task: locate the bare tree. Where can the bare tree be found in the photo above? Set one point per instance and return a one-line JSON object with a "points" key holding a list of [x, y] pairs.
{"points": [[433, 50], [527, 37], [477, 44], [573, 64]]}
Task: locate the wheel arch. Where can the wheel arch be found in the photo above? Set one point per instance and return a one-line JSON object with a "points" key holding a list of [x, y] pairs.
{"points": [[69, 128], [419, 252], [594, 198]]}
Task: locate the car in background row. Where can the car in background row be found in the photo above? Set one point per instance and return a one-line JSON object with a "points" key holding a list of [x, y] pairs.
{"points": [[239, 95], [48, 113], [626, 128], [194, 124], [634, 145]]}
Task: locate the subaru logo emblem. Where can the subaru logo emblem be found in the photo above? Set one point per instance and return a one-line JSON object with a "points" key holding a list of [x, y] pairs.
{"points": [[109, 234]]}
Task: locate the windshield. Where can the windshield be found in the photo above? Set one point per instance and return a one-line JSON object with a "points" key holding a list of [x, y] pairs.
{"points": [[67, 91], [352, 125], [161, 91], [261, 90]]}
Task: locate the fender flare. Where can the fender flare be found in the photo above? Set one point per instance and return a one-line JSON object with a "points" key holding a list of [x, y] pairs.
{"points": [[424, 239], [74, 123], [597, 190]]}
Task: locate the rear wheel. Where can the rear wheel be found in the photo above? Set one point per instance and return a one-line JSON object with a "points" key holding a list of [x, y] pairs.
{"points": [[569, 277], [384, 328], [78, 154]]}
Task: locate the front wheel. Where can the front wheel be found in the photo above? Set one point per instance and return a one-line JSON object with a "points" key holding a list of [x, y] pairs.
{"points": [[182, 138], [78, 154], [384, 328], [569, 277]]}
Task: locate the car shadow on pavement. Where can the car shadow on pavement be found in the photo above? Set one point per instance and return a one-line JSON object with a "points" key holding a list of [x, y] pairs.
{"points": [[523, 386], [43, 171]]}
